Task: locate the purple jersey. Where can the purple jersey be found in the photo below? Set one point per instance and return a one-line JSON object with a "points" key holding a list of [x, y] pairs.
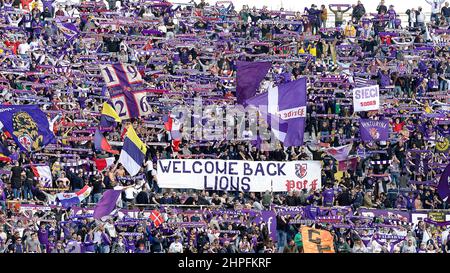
{"points": [[48, 4], [328, 197]]}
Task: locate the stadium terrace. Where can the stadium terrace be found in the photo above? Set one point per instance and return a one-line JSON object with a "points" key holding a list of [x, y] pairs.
{"points": [[151, 126]]}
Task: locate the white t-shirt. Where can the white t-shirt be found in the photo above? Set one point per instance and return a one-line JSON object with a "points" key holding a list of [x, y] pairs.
{"points": [[23, 48], [20, 230], [111, 230], [3, 236], [149, 165], [130, 193], [420, 17], [119, 200], [176, 248], [14, 23], [34, 45], [162, 28], [426, 236], [97, 237], [444, 235], [73, 13], [375, 247]]}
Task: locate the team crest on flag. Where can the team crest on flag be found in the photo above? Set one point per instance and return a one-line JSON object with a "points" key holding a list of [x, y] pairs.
{"points": [[26, 131], [374, 130], [374, 133], [28, 126], [25, 141], [69, 30], [442, 142], [301, 170]]}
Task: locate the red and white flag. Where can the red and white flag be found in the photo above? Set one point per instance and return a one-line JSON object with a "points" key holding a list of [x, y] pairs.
{"points": [[340, 153], [43, 174], [103, 163], [157, 218]]}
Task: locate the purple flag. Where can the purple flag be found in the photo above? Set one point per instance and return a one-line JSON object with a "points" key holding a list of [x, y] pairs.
{"points": [[249, 76], [106, 121], [69, 30], [311, 212], [374, 130], [443, 187], [284, 109], [107, 204], [98, 138], [2, 191], [270, 218], [28, 126]]}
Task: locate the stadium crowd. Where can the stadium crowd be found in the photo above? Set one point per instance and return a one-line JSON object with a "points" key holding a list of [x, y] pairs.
{"points": [[51, 54]]}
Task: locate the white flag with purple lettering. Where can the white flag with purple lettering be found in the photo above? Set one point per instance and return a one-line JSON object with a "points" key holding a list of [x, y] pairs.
{"points": [[366, 98]]}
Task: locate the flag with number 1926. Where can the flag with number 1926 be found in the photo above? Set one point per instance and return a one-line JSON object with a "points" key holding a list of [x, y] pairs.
{"points": [[120, 75]]}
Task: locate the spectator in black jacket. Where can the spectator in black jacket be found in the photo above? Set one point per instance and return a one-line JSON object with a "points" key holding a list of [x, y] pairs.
{"points": [[382, 9], [142, 198], [291, 200], [16, 179], [445, 11], [156, 244], [358, 12]]}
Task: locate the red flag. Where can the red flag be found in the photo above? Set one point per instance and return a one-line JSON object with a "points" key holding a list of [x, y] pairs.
{"points": [[102, 163], [7, 134], [349, 164], [101, 144], [168, 124], [156, 217], [4, 158], [176, 145], [124, 132], [148, 45]]}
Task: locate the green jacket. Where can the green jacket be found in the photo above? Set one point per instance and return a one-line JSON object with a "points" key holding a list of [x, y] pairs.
{"points": [[342, 247], [244, 16], [298, 239]]}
